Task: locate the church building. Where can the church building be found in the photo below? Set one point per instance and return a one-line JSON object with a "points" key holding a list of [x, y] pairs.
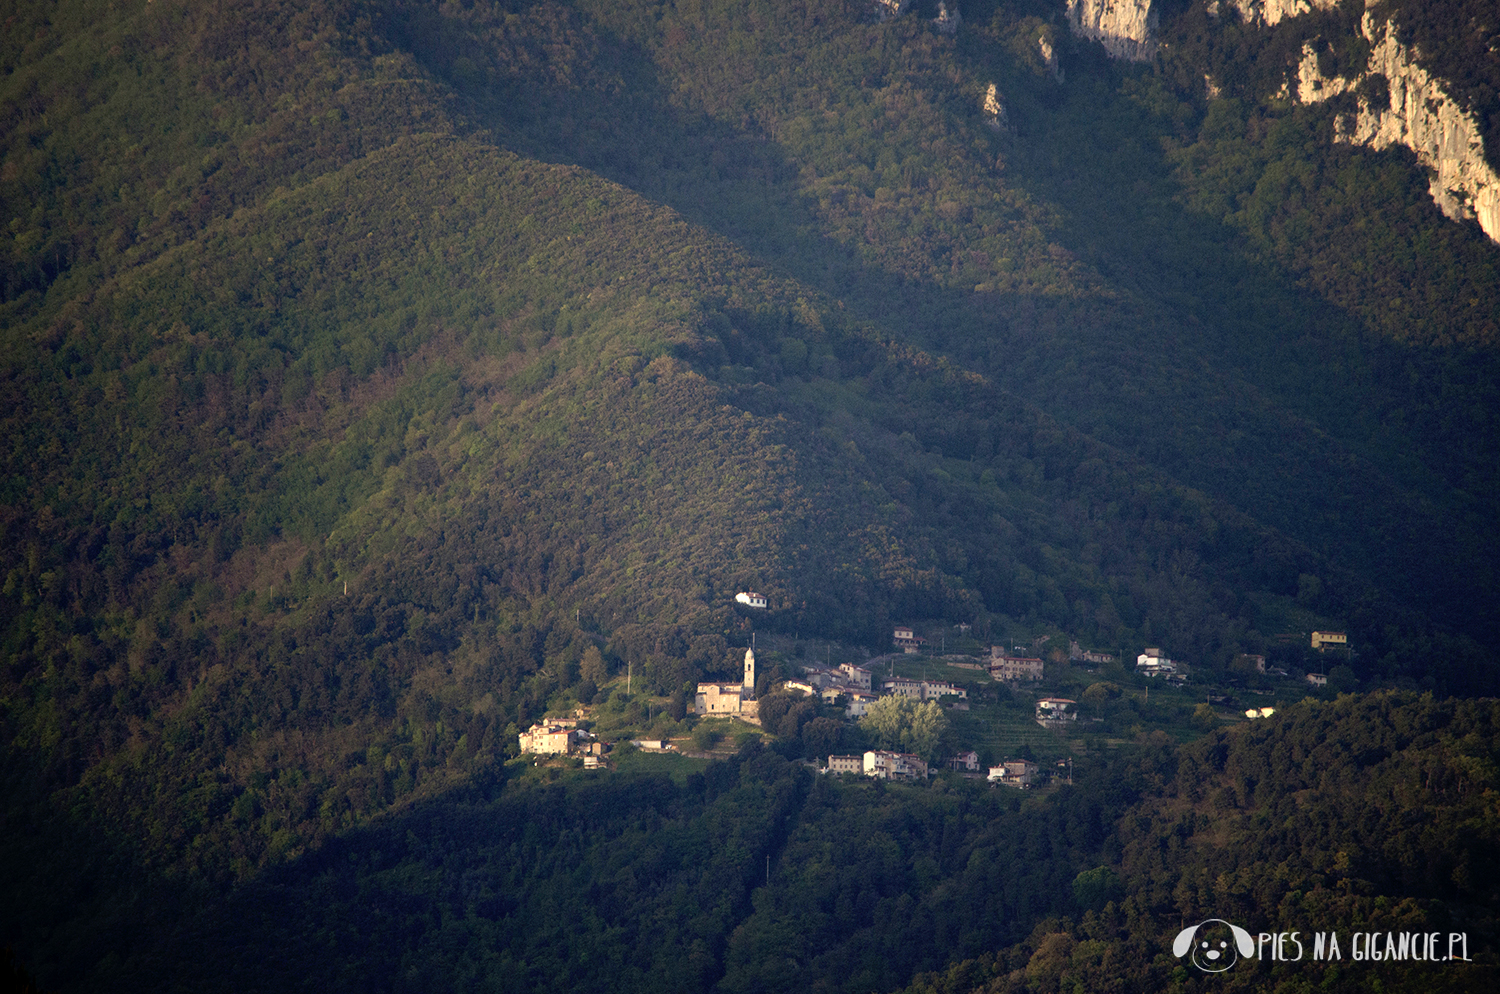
{"points": [[730, 698]]}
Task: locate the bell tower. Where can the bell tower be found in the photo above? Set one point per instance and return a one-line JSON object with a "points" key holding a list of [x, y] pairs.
{"points": [[749, 684]]}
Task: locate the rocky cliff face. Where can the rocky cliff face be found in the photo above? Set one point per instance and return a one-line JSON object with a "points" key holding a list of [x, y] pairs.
{"points": [[1126, 28], [1049, 57], [1419, 115], [947, 21], [1271, 11], [994, 110]]}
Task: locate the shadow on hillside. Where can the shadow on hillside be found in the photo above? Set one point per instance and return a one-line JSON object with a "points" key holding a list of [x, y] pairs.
{"points": [[1192, 355], [563, 881], [80, 902]]}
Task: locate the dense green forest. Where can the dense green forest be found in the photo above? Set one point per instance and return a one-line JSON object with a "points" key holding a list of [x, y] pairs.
{"points": [[1360, 815], [377, 376]]}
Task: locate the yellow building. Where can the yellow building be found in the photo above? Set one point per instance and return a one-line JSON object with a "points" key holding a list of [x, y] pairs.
{"points": [[1329, 640]]}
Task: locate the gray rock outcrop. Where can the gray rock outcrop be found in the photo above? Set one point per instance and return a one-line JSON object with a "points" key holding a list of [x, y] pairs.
{"points": [[1126, 28], [994, 110], [1049, 57], [947, 21], [1420, 115]]}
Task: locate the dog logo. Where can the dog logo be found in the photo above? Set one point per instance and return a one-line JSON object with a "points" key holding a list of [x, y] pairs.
{"points": [[1216, 945]]}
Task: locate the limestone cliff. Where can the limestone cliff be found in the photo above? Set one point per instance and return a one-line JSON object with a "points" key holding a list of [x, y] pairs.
{"points": [[886, 10], [1420, 115], [1270, 12], [1049, 57], [994, 110], [947, 21], [1126, 28]]}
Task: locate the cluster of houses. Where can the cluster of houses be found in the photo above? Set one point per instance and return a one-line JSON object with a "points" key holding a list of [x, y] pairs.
{"points": [[848, 682], [1014, 669], [854, 686], [1078, 654], [883, 765], [563, 737]]}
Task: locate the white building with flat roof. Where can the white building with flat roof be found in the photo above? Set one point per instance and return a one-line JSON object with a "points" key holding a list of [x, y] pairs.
{"points": [[894, 766]]}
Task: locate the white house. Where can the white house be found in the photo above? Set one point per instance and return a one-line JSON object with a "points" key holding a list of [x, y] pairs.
{"points": [[1053, 710], [894, 765], [1153, 662], [906, 639], [1014, 772], [858, 676], [750, 598], [964, 762]]}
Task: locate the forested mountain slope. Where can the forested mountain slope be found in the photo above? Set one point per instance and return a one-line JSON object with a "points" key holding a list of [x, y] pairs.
{"points": [[377, 374], [1361, 815]]}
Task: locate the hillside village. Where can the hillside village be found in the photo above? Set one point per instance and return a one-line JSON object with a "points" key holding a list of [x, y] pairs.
{"points": [[982, 698]]}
